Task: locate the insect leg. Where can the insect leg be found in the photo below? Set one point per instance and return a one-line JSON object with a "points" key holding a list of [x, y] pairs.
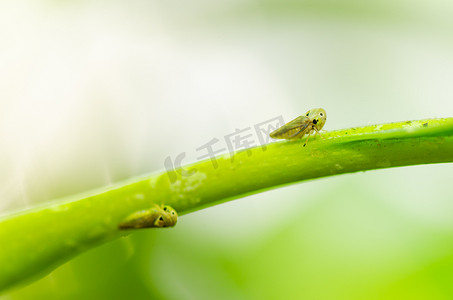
{"points": [[306, 141], [317, 132]]}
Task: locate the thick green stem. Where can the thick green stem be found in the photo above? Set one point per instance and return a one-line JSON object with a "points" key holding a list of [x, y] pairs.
{"points": [[37, 240]]}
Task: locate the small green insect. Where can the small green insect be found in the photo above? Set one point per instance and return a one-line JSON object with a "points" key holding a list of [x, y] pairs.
{"points": [[312, 121], [158, 216]]}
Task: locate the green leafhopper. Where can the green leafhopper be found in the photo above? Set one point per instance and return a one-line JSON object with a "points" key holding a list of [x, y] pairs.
{"points": [[312, 121], [158, 216]]}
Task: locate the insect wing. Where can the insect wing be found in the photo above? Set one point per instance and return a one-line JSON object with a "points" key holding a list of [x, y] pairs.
{"points": [[291, 129], [141, 219]]}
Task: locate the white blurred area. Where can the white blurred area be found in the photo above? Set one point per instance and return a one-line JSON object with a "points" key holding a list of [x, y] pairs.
{"points": [[93, 92]]}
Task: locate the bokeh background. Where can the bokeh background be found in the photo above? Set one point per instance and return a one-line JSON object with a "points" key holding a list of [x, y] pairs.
{"points": [[93, 92]]}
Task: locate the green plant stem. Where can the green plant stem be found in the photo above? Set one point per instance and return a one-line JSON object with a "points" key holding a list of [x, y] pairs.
{"points": [[35, 241]]}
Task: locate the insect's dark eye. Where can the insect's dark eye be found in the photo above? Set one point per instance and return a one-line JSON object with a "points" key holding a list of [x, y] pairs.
{"points": [[321, 114], [315, 121], [165, 208], [161, 219], [307, 114]]}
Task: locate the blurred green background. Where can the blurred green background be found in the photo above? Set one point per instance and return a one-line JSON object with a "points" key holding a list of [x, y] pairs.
{"points": [[93, 92]]}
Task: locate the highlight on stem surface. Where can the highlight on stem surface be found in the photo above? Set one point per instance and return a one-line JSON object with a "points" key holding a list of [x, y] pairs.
{"points": [[157, 216], [312, 121]]}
